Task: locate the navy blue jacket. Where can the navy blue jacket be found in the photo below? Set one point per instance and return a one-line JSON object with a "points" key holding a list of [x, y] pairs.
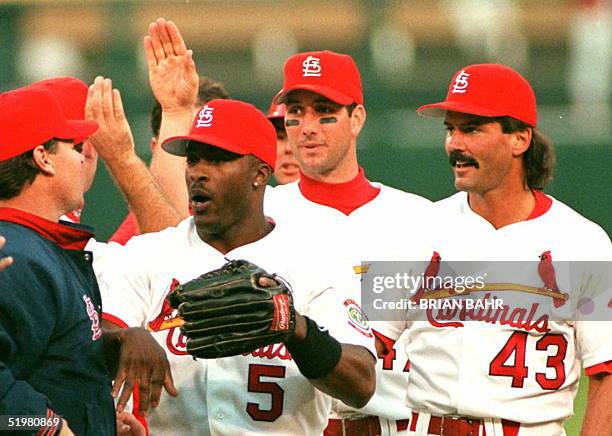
{"points": [[51, 348]]}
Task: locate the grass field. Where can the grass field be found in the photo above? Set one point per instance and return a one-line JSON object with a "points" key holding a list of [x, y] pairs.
{"points": [[573, 425]]}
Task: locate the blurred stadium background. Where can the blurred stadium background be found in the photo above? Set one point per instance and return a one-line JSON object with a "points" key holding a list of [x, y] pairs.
{"points": [[406, 50]]}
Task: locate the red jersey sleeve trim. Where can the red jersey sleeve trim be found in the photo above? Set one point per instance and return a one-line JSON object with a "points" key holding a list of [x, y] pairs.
{"points": [[600, 368], [114, 320]]}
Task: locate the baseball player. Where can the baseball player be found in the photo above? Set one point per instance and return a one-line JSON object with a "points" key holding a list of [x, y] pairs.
{"points": [[333, 192], [208, 89], [364, 220], [287, 168], [49, 300], [525, 371], [231, 153]]}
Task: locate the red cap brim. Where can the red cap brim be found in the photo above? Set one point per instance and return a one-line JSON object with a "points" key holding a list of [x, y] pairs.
{"points": [[77, 129], [177, 145], [325, 91], [439, 110]]}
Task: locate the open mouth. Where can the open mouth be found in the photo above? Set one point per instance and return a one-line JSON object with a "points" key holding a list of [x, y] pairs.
{"points": [[199, 201], [465, 164], [458, 160]]}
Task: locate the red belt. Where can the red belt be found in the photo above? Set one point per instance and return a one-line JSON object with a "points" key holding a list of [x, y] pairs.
{"points": [[368, 426], [450, 426]]}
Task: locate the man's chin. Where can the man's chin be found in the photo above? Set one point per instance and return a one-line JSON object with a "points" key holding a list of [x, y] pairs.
{"points": [[463, 185]]}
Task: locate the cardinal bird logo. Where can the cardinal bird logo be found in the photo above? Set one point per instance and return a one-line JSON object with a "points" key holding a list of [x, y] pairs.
{"points": [[431, 272], [546, 270], [167, 317]]}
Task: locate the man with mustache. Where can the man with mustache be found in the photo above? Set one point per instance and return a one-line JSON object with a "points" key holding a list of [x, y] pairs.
{"points": [[525, 378]]}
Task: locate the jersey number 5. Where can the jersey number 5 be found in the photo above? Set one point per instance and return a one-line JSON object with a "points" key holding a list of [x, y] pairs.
{"points": [[277, 394], [517, 345]]}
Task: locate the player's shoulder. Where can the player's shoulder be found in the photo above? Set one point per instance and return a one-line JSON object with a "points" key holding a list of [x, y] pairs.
{"points": [[563, 216], [25, 243], [155, 245], [176, 233], [456, 202], [397, 195], [288, 189]]}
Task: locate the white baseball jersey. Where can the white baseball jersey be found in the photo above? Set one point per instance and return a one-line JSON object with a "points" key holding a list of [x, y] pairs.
{"points": [[259, 393], [515, 365], [386, 228]]}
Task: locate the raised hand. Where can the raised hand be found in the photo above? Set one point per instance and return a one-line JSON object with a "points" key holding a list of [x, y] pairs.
{"points": [[172, 72], [113, 140]]}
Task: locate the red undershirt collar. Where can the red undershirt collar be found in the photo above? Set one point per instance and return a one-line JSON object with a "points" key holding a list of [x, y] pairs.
{"points": [[542, 204], [345, 197], [68, 236]]}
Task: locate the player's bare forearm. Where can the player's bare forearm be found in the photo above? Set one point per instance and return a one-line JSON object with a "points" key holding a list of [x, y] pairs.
{"points": [[174, 82], [353, 380], [169, 170], [598, 417], [115, 144], [153, 210]]}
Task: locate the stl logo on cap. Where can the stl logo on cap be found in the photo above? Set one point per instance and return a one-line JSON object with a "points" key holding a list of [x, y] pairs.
{"points": [[205, 117], [461, 83], [311, 67]]}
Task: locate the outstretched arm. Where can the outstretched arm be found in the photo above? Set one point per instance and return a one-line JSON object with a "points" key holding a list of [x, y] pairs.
{"points": [[174, 82], [114, 143]]}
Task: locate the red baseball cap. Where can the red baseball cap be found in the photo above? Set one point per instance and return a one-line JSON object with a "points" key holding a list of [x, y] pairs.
{"points": [[231, 125], [330, 74], [70, 93], [489, 90], [31, 116]]}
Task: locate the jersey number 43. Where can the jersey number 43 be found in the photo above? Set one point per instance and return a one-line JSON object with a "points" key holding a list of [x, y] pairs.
{"points": [[518, 371]]}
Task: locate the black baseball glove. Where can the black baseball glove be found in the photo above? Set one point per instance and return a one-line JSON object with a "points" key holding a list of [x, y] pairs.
{"points": [[227, 312]]}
